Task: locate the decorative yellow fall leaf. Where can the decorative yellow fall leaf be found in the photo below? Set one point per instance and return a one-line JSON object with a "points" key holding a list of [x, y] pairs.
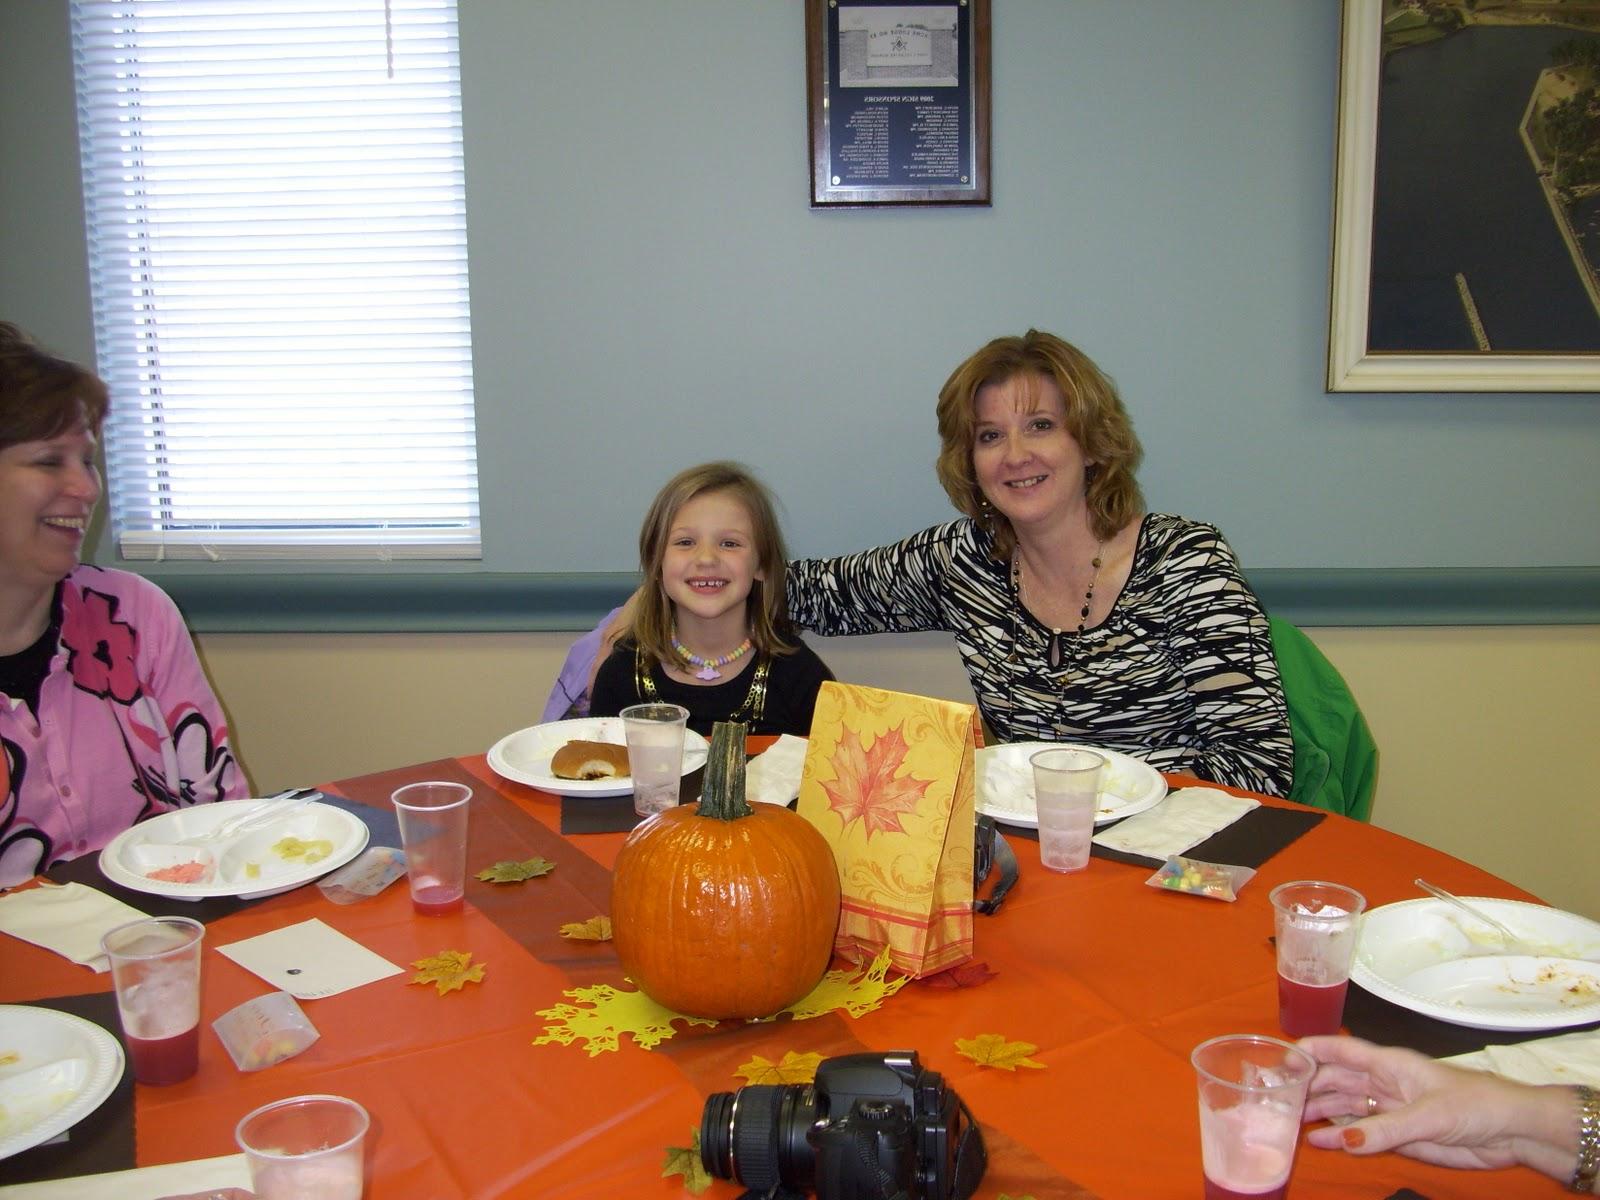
{"points": [[992, 1050], [866, 786], [685, 1161], [450, 970], [603, 1014], [1009, 1196], [511, 871], [595, 929], [792, 1068], [856, 991]]}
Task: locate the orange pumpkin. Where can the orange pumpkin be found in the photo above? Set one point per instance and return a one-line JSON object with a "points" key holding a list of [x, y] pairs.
{"points": [[722, 910]]}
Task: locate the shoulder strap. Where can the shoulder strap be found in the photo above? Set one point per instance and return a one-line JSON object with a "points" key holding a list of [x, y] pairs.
{"points": [[644, 687], [755, 700], [993, 856]]}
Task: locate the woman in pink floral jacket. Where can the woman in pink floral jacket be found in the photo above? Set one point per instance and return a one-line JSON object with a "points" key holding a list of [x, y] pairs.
{"points": [[105, 715]]}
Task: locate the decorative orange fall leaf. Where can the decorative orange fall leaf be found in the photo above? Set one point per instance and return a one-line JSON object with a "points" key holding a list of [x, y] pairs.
{"points": [[963, 975], [866, 786], [450, 970], [595, 929], [992, 1050], [792, 1068]]}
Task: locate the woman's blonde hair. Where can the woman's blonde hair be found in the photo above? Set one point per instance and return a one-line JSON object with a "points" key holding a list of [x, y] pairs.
{"points": [[1095, 418], [767, 606]]}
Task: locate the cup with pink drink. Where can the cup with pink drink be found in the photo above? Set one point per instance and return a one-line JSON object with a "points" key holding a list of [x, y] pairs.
{"points": [[1066, 790], [155, 968], [433, 831], [1316, 926], [1252, 1095]]}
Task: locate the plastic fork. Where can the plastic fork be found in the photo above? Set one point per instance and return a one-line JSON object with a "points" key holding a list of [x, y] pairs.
{"points": [[1507, 938], [258, 816]]}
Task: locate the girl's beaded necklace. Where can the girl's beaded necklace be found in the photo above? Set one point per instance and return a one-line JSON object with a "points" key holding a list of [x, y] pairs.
{"points": [[707, 667]]}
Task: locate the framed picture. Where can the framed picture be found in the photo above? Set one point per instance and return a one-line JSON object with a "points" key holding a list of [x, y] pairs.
{"points": [[898, 99], [1467, 199]]}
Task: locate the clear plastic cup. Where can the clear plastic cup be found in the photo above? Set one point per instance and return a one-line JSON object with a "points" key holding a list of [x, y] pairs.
{"points": [[655, 754], [155, 967], [306, 1148], [1252, 1095], [1066, 789], [433, 831]]}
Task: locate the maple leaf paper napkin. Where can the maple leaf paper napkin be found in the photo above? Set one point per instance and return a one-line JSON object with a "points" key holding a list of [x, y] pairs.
{"points": [[1187, 817], [309, 960], [889, 783], [68, 920], [773, 776]]}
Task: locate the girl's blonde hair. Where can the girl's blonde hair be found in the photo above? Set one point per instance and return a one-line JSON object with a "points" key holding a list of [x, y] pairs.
{"points": [[1095, 418], [767, 606]]}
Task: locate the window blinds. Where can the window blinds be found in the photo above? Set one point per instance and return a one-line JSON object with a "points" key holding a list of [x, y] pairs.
{"points": [[276, 223]]}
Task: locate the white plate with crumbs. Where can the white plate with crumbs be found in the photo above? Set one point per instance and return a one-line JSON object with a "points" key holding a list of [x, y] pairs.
{"points": [[1426, 956], [304, 845], [55, 1069], [524, 756], [1005, 783]]}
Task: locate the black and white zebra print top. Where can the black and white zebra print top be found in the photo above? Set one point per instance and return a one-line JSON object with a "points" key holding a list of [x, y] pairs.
{"points": [[1181, 673]]}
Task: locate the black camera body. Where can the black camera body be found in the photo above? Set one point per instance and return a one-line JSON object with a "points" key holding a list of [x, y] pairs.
{"points": [[869, 1127]]}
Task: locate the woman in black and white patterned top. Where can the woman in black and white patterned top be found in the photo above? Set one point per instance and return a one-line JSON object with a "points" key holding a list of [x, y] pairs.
{"points": [[1079, 617]]}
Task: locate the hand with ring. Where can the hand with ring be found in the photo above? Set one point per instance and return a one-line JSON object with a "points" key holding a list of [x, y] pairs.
{"points": [[1408, 1103]]}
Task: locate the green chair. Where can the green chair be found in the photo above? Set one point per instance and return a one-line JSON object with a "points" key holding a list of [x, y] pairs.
{"points": [[1335, 757]]}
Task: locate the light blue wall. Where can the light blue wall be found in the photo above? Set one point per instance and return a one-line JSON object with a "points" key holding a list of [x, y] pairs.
{"points": [[650, 287]]}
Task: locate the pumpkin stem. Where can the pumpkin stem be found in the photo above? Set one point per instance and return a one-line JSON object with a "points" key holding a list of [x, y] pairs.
{"points": [[722, 797]]}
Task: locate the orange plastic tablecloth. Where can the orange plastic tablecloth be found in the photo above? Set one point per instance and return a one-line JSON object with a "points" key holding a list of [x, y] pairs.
{"points": [[1115, 982]]}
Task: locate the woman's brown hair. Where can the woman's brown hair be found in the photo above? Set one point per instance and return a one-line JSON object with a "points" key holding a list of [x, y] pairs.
{"points": [[1095, 418], [766, 608], [42, 396]]}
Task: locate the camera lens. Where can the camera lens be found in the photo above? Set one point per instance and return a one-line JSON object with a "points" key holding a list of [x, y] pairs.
{"points": [[757, 1135]]}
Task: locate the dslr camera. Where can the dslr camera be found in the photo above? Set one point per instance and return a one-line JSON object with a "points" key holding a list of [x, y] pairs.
{"points": [[869, 1127]]}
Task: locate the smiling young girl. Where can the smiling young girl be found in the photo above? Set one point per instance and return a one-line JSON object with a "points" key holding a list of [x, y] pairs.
{"points": [[711, 629]]}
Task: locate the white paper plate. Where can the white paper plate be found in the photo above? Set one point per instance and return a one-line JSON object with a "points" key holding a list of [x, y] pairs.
{"points": [[524, 756], [65, 1068], [1005, 783], [1429, 957], [149, 845]]}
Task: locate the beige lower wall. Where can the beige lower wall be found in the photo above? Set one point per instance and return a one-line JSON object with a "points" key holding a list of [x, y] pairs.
{"points": [[1489, 737]]}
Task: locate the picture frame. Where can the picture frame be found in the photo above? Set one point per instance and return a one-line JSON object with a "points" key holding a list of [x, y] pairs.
{"points": [[1353, 366], [898, 102]]}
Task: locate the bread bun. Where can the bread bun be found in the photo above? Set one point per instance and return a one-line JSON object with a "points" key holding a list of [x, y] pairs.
{"points": [[590, 760]]}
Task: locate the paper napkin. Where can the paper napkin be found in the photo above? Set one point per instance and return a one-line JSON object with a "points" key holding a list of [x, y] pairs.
{"points": [[1187, 817], [309, 960], [1565, 1058], [205, 1176], [773, 776], [68, 920]]}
